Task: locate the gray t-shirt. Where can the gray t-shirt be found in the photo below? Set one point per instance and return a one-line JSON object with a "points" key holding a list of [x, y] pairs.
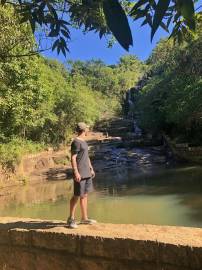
{"points": [[80, 148]]}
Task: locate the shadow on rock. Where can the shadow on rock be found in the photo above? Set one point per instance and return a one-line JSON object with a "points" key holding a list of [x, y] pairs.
{"points": [[29, 225]]}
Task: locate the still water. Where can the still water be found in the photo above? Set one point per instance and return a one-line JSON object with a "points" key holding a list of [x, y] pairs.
{"points": [[164, 197]]}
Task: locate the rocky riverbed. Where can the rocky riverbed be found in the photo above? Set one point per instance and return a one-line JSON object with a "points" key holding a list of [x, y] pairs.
{"points": [[114, 144], [141, 180], [124, 148], [111, 155]]}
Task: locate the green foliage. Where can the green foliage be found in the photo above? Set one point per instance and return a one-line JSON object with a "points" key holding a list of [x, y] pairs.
{"points": [[12, 152], [129, 71], [55, 19], [41, 100], [15, 39], [171, 98], [117, 22], [112, 81], [160, 11]]}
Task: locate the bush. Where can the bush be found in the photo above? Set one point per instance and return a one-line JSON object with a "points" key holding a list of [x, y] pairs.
{"points": [[12, 152], [171, 98]]}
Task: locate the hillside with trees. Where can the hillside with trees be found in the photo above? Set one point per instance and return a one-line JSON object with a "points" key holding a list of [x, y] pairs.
{"points": [[41, 100], [170, 97]]}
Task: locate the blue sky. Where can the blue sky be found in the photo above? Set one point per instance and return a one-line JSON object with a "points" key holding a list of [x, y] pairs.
{"points": [[86, 47]]}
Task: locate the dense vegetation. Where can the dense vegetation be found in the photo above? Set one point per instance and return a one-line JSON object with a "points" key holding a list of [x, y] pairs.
{"points": [[41, 100], [170, 99]]}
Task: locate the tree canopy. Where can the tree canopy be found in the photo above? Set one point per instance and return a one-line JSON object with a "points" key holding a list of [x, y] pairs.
{"points": [[169, 98], [54, 19], [41, 99]]}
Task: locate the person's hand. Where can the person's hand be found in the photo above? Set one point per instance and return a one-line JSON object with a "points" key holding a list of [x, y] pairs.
{"points": [[92, 173], [77, 176]]}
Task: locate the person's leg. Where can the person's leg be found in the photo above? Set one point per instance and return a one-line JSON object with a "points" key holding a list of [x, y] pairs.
{"points": [[86, 187], [73, 204], [74, 199], [83, 204], [86, 205]]}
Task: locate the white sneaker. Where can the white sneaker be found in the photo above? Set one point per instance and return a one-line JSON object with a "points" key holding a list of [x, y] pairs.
{"points": [[71, 223]]}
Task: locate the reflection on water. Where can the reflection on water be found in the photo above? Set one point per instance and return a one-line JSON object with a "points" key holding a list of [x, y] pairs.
{"points": [[167, 197]]}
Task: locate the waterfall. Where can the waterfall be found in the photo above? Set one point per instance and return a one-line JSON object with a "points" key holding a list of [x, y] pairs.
{"points": [[130, 104], [137, 130]]}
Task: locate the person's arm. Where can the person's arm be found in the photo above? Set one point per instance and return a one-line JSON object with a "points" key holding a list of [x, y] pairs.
{"points": [[91, 168], [75, 148], [77, 175]]}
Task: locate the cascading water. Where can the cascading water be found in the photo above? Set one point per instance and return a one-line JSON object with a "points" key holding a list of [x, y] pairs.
{"points": [[130, 104], [137, 130], [130, 112]]}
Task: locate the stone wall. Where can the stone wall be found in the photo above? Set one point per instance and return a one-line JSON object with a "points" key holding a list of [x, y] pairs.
{"points": [[48, 245], [189, 153], [36, 167], [184, 151]]}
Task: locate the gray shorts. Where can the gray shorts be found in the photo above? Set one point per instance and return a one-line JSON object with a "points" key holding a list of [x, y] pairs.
{"points": [[83, 187]]}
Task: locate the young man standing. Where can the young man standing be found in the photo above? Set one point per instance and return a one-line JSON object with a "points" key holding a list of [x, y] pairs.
{"points": [[83, 174]]}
